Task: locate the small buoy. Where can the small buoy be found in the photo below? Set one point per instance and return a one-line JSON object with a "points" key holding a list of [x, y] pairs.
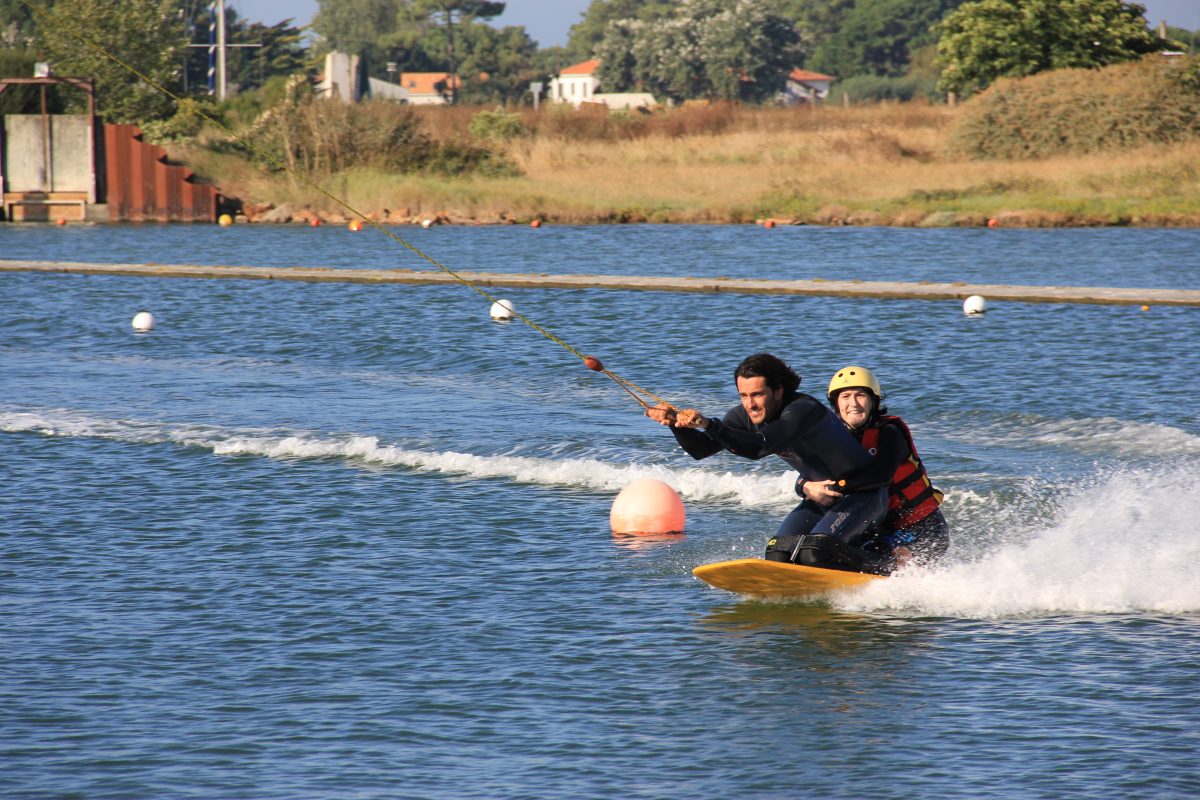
{"points": [[143, 321], [224, 220], [355, 225], [594, 364], [974, 305], [537, 223], [647, 506], [1145, 308], [425, 223], [769, 223], [993, 223], [315, 222], [502, 309], [61, 221]]}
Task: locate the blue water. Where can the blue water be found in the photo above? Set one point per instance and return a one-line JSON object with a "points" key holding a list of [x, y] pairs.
{"points": [[338, 540]]}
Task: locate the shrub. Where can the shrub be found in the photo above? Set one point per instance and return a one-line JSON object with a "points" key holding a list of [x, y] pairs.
{"points": [[498, 124], [322, 137], [869, 88], [1075, 111]]}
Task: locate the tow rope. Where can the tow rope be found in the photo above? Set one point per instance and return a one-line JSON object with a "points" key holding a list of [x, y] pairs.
{"points": [[48, 18]]}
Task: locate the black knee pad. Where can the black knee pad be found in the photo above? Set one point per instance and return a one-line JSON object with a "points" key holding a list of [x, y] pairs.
{"points": [[819, 550], [782, 548]]}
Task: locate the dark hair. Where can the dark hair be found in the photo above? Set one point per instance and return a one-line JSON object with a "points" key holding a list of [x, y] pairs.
{"points": [[764, 365]]}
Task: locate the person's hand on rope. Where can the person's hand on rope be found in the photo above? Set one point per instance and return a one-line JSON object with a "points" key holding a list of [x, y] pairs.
{"points": [[663, 413], [690, 418]]}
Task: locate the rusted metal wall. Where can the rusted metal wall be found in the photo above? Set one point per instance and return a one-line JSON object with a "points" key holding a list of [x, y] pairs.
{"points": [[143, 187]]}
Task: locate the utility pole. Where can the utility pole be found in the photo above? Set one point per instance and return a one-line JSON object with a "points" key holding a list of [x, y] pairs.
{"points": [[220, 6]]}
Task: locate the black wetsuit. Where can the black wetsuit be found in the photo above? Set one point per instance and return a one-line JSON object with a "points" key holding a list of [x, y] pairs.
{"points": [[808, 436]]}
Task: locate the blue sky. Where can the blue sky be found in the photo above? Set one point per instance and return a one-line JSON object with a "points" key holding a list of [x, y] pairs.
{"points": [[547, 21]]}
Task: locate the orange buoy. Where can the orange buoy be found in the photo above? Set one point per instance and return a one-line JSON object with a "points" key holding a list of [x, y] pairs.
{"points": [[1145, 308], [769, 223], [62, 221], [537, 223], [355, 225], [594, 364], [315, 222], [993, 223], [647, 506]]}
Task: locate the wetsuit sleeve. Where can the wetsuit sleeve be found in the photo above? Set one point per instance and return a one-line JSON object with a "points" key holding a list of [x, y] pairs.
{"points": [[798, 418], [892, 450], [701, 444]]}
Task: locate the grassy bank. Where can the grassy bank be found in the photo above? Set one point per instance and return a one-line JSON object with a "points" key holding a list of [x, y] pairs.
{"points": [[876, 165]]}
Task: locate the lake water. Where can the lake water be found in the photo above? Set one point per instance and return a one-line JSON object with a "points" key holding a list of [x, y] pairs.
{"points": [[339, 540]]}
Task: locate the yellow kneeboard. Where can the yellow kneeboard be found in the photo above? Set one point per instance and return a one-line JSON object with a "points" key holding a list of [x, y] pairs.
{"points": [[757, 576]]}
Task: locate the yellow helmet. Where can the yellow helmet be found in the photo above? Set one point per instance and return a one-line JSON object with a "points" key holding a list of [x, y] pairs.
{"points": [[854, 378]]}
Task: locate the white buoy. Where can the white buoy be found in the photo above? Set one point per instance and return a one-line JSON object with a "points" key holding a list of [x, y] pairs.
{"points": [[974, 305], [502, 309], [425, 223], [143, 321]]}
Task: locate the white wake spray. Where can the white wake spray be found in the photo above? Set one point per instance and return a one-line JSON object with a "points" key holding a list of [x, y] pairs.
{"points": [[1127, 544]]}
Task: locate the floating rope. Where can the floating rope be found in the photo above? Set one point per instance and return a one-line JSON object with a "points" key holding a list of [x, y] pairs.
{"points": [[48, 18]]}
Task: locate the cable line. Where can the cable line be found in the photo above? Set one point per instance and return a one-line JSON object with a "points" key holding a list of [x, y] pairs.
{"points": [[52, 20]]}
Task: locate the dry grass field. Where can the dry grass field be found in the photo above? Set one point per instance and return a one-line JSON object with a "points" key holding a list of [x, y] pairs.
{"points": [[888, 164]]}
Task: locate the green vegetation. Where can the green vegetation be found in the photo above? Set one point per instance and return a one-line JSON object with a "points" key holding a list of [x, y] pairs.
{"points": [[121, 95], [991, 39], [713, 49], [1152, 101]]}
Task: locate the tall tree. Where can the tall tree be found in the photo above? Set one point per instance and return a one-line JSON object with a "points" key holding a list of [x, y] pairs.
{"points": [[121, 95], [585, 36], [16, 24], [356, 26], [879, 37], [991, 39], [739, 50], [449, 15]]}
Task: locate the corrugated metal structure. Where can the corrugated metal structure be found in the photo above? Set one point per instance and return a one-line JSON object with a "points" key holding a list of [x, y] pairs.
{"points": [[65, 166], [143, 186]]}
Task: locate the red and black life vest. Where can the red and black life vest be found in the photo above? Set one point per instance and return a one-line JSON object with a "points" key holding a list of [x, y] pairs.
{"points": [[911, 497]]}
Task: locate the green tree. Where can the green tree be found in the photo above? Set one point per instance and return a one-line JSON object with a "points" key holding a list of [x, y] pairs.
{"points": [[281, 49], [497, 65], [878, 37], [16, 25], [451, 16], [739, 50], [585, 36], [121, 95], [991, 39], [356, 26]]}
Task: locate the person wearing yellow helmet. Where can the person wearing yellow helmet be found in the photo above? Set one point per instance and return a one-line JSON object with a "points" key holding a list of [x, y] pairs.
{"points": [[914, 527], [775, 418]]}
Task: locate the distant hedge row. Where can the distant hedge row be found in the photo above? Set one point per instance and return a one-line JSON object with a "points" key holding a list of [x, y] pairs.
{"points": [[1154, 100]]}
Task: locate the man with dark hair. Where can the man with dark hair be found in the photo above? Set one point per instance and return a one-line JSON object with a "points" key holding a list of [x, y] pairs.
{"points": [[775, 418]]}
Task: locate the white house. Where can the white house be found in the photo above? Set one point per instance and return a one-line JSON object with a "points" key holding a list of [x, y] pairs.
{"points": [[804, 86], [576, 84]]}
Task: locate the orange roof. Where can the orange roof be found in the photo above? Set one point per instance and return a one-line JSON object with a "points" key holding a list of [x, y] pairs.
{"points": [[426, 82], [807, 75], [584, 68]]}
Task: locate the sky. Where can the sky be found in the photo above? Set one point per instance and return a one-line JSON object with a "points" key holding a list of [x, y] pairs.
{"points": [[547, 21]]}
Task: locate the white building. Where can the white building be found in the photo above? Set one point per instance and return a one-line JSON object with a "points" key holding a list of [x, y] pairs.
{"points": [[576, 84]]}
